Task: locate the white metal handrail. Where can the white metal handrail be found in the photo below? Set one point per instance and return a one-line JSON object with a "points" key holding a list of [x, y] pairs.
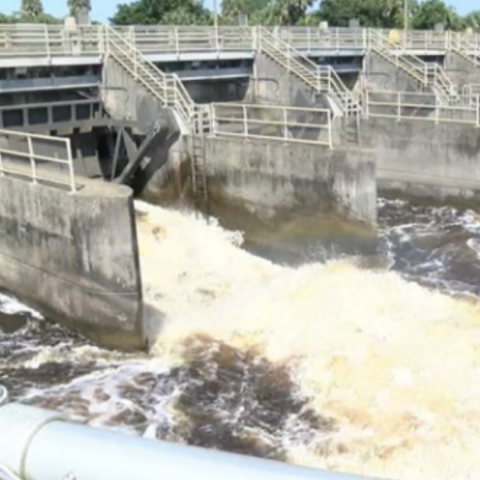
{"points": [[268, 122], [165, 87], [422, 107], [425, 73], [314, 38], [12, 158], [321, 78], [55, 40], [49, 40], [178, 39]]}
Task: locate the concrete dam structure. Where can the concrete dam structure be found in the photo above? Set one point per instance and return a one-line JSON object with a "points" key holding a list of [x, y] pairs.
{"points": [[276, 120]]}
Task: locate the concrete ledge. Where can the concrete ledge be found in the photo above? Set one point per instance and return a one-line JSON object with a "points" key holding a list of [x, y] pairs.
{"points": [[425, 159], [282, 176], [74, 257]]}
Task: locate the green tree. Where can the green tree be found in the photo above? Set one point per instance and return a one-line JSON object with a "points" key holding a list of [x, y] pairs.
{"points": [[5, 18], [255, 10], [31, 8], [433, 12], [288, 12], [153, 12], [472, 20], [370, 13], [75, 6]]}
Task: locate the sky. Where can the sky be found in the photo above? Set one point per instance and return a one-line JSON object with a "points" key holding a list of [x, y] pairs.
{"points": [[104, 9]]}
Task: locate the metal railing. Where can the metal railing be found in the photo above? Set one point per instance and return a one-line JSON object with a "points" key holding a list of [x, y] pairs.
{"points": [[34, 40], [421, 107], [467, 46], [49, 40], [39, 158], [314, 38], [427, 74], [167, 88], [178, 39], [286, 124], [321, 78]]}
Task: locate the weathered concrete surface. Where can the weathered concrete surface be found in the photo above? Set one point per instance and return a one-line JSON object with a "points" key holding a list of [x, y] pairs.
{"points": [[460, 70], [425, 159], [74, 257], [276, 177], [124, 98]]}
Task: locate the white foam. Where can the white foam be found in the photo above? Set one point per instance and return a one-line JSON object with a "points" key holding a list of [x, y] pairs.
{"points": [[394, 363]]}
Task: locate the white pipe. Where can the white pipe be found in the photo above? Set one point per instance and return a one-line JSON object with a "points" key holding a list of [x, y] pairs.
{"points": [[38, 445]]}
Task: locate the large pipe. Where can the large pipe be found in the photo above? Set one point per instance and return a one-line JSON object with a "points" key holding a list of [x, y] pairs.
{"points": [[38, 445]]}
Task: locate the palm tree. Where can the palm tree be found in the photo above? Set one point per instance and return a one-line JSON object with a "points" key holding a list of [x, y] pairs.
{"points": [[76, 6], [31, 8], [289, 12]]}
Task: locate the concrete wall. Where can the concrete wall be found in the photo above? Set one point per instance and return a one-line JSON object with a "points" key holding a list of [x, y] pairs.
{"points": [[74, 257], [460, 70], [425, 159], [276, 177], [124, 98]]}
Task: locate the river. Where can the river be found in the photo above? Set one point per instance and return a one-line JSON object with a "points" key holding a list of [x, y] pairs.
{"points": [[319, 362]]}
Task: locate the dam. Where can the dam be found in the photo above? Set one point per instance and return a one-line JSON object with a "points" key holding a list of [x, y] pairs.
{"points": [[371, 129]]}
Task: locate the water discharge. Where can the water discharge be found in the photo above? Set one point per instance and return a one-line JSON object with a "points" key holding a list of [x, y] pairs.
{"points": [[327, 364]]}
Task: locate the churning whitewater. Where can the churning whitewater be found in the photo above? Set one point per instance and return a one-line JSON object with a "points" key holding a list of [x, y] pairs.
{"points": [[372, 372]]}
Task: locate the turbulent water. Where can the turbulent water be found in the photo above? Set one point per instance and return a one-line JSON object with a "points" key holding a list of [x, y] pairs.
{"points": [[327, 364]]}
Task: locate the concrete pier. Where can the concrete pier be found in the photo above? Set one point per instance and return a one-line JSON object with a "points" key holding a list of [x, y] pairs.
{"points": [[74, 257]]}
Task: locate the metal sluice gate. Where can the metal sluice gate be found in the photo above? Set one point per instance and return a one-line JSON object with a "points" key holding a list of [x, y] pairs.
{"points": [[37, 444]]}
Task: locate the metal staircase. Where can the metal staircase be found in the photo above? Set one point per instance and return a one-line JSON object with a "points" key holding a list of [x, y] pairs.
{"points": [[170, 92], [466, 46], [323, 79], [427, 75], [168, 89]]}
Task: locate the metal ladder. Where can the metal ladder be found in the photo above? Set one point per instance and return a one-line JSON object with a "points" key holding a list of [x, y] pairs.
{"points": [[352, 130], [199, 173], [323, 79]]}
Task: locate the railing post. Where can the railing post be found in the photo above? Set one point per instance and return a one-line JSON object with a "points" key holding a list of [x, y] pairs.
{"points": [[367, 104], [245, 121], [47, 40], [478, 110], [285, 121], [177, 41], [217, 40], [399, 107], [101, 46], [1, 165], [32, 159], [330, 132], [437, 111], [309, 39], [214, 119]]}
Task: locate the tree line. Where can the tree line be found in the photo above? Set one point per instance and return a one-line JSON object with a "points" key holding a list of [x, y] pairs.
{"points": [[370, 13], [31, 11]]}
